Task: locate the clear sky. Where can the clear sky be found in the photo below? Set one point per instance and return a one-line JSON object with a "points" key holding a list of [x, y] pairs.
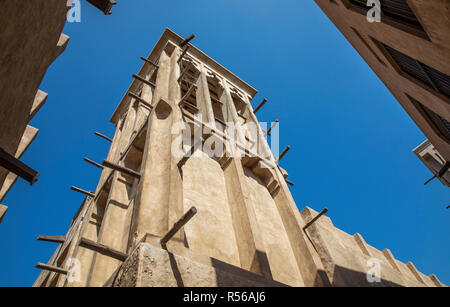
{"points": [[351, 141]]}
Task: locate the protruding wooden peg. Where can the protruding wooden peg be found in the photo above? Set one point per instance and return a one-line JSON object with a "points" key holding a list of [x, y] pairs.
{"points": [[122, 169], [91, 194], [143, 101], [441, 172], [55, 239], [315, 218], [289, 182], [103, 136], [284, 152], [142, 79], [51, 268], [103, 249], [93, 163], [187, 40], [260, 105], [12, 164], [177, 226], [148, 61], [271, 127]]}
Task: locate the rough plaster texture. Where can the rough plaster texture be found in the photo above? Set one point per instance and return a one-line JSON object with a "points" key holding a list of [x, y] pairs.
{"points": [[433, 15], [276, 242], [30, 40], [247, 231], [346, 257], [3, 210], [150, 266], [28, 137], [204, 187]]}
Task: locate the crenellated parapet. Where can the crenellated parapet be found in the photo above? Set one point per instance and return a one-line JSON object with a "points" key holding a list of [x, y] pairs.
{"points": [[350, 261]]}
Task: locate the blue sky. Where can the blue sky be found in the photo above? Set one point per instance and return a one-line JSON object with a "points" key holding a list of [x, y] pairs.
{"points": [[351, 141]]}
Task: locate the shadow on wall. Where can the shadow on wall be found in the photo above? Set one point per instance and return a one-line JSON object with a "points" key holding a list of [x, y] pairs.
{"points": [[344, 277]]}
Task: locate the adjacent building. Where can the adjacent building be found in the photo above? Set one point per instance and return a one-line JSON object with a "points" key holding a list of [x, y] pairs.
{"points": [[434, 161], [167, 212], [31, 39], [409, 50]]}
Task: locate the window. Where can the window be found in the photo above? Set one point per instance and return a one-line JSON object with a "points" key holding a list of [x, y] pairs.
{"points": [[241, 108], [103, 5], [431, 77], [394, 12], [215, 91], [440, 124], [188, 79]]}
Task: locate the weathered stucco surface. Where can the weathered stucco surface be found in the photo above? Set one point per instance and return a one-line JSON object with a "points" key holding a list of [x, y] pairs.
{"points": [[247, 230], [30, 40], [150, 266], [3, 210], [435, 52], [348, 258], [204, 187]]}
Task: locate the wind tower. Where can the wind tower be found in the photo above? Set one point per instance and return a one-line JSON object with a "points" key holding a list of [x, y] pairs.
{"points": [[172, 209]]}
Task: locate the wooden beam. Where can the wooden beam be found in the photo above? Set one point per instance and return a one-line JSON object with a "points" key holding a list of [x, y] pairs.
{"points": [[103, 249], [93, 163], [103, 136], [185, 50], [187, 40], [121, 169], [55, 239], [315, 218], [142, 79], [143, 101], [289, 182], [181, 222], [17, 167], [260, 105], [150, 62], [51, 268], [91, 194], [271, 127], [188, 93], [440, 173], [283, 153], [184, 72]]}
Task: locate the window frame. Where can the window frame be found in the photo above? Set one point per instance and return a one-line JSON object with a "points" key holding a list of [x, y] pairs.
{"points": [[432, 89], [422, 33], [431, 118]]}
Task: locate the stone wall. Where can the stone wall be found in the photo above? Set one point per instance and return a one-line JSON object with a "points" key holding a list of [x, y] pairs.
{"points": [[347, 259]]}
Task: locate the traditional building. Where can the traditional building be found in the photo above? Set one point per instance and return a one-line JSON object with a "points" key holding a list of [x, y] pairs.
{"points": [[31, 40], [434, 161], [167, 212], [104, 5], [409, 50]]}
